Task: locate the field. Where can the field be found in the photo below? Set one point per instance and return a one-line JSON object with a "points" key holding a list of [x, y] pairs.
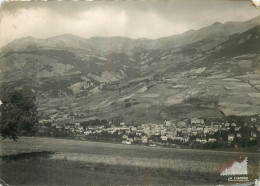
{"points": [[50, 161]]}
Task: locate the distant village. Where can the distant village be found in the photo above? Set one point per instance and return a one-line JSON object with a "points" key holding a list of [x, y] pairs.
{"points": [[194, 132]]}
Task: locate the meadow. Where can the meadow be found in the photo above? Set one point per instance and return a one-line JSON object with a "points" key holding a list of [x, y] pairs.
{"points": [[52, 161]]}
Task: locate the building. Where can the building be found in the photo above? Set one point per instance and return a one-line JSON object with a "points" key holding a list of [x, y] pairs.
{"points": [[253, 119], [253, 134], [122, 124], [178, 138], [164, 138], [201, 140], [126, 142], [210, 140], [124, 136], [144, 139], [231, 137], [130, 140], [227, 124], [206, 130], [237, 128], [196, 121], [133, 129], [168, 123]]}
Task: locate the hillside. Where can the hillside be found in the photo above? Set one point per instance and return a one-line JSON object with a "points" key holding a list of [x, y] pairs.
{"points": [[211, 72]]}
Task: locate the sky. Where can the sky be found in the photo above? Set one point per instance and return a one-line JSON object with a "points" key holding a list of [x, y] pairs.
{"points": [[134, 19]]}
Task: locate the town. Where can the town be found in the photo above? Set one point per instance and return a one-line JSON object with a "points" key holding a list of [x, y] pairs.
{"points": [[185, 133]]}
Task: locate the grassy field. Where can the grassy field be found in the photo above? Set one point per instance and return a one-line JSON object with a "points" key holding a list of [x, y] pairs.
{"points": [[50, 161]]}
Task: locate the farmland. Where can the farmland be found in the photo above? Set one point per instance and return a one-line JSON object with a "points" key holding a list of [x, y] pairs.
{"points": [[51, 161]]}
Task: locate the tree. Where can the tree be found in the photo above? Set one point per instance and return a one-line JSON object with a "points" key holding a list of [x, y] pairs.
{"points": [[18, 113]]}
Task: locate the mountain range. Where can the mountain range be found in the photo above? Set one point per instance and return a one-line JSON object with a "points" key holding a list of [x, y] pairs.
{"points": [[210, 72]]}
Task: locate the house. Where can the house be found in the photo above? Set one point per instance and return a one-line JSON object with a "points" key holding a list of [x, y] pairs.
{"points": [[58, 127], [193, 127], [212, 131], [163, 132], [157, 134], [198, 125], [87, 132], [127, 142], [227, 124], [139, 129], [238, 135], [169, 135], [178, 138], [210, 140], [231, 137], [237, 128], [201, 140], [206, 130], [184, 132], [80, 128], [196, 121], [199, 129], [186, 139], [233, 124], [124, 128], [253, 134], [216, 126], [122, 124], [215, 123], [67, 127], [111, 131], [130, 139], [124, 136], [168, 123], [54, 125], [253, 119], [181, 124], [164, 138], [144, 139], [133, 129]]}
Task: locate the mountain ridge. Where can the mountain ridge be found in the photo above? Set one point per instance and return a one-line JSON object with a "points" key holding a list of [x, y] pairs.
{"points": [[206, 77], [115, 43]]}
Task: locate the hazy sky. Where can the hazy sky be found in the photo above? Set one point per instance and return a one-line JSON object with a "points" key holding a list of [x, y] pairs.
{"points": [[138, 19]]}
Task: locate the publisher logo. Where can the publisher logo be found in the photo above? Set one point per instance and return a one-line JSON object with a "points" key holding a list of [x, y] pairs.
{"points": [[234, 168], [238, 178]]}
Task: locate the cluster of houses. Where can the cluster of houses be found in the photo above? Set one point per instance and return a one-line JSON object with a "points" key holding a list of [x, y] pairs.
{"points": [[194, 129]]}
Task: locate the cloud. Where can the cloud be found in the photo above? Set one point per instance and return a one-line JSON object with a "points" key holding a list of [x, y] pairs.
{"points": [[131, 19]]}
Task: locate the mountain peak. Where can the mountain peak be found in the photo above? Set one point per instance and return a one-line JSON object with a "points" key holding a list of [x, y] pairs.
{"points": [[68, 36], [216, 23]]}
